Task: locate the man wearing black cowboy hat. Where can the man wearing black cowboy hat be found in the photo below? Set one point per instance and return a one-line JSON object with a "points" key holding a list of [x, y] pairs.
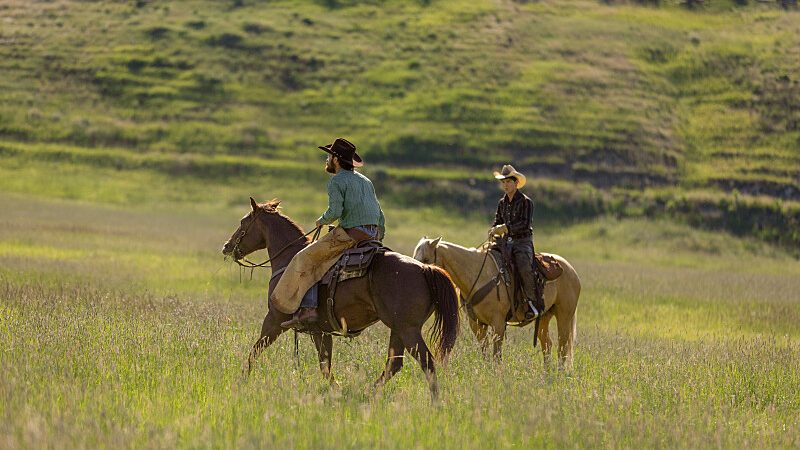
{"points": [[512, 224], [351, 201]]}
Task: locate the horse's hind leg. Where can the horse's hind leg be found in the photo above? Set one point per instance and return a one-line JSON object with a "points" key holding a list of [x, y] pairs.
{"points": [[270, 330], [324, 344], [566, 339], [415, 345], [394, 361]]}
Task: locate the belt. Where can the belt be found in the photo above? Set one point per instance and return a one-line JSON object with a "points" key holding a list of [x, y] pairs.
{"points": [[519, 237], [363, 232], [365, 227]]}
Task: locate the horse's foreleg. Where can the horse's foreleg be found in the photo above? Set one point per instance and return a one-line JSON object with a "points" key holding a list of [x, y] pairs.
{"points": [[499, 333], [394, 361], [480, 330], [270, 330], [544, 338], [415, 345], [324, 344]]}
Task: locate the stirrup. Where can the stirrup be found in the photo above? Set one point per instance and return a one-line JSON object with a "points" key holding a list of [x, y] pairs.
{"points": [[294, 322], [535, 312], [298, 321]]}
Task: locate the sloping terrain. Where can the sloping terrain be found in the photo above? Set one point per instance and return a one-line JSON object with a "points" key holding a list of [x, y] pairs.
{"points": [[611, 108]]}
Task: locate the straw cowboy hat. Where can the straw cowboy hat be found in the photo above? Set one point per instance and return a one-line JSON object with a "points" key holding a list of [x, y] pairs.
{"points": [[345, 151], [509, 171]]}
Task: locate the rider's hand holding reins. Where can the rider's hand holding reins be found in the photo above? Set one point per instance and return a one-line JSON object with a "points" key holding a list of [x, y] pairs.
{"points": [[498, 230]]}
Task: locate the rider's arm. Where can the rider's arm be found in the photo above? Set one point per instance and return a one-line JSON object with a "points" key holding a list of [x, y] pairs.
{"points": [[521, 218], [382, 225], [498, 216], [335, 203]]}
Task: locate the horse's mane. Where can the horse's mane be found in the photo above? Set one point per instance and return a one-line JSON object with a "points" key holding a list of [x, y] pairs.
{"points": [[273, 207], [480, 249]]}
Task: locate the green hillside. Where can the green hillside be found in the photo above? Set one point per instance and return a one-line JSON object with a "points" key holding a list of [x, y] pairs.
{"points": [[618, 108], [133, 131]]}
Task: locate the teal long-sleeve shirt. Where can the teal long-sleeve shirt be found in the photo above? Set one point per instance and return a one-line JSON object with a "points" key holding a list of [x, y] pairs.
{"points": [[352, 200]]}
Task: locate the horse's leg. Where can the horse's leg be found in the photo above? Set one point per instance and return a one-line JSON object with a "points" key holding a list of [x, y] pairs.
{"points": [[324, 344], [394, 361], [499, 330], [480, 330], [544, 338], [566, 338], [415, 345], [270, 330]]}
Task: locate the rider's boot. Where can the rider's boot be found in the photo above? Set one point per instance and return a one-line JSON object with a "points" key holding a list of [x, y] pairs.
{"points": [[534, 306], [303, 316], [532, 312]]}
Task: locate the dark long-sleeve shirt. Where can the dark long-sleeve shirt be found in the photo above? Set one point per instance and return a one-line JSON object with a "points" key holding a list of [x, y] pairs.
{"points": [[516, 214]]}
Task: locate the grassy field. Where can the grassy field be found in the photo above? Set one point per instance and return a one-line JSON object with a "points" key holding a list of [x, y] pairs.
{"points": [[133, 133], [123, 327]]}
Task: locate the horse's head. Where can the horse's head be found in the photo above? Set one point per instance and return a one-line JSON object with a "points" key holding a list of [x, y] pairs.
{"points": [[425, 251], [249, 236]]}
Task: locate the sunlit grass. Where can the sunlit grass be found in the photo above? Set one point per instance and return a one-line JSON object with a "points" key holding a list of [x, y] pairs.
{"points": [[131, 140], [672, 328]]}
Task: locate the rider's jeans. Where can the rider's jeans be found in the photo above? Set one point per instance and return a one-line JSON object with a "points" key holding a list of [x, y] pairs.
{"points": [[522, 250], [307, 268]]}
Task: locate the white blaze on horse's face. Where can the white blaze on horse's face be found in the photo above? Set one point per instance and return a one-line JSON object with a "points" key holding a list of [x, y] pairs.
{"points": [[240, 239], [419, 250], [227, 247], [424, 252]]}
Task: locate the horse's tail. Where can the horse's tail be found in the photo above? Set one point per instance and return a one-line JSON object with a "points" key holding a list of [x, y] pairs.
{"points": [[445, 305]]}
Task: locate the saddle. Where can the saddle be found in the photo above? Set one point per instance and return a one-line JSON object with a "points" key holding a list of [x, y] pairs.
{"points": [[548, 266], [354, 263], [547, 269]]}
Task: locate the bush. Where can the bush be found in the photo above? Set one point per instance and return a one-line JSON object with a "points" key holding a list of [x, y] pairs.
{"points": [[227, 40]]}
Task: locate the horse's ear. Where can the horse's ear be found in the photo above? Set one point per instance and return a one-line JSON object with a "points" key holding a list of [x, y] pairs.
{"points": [[436, 241], [425, 237], [253, 204]]}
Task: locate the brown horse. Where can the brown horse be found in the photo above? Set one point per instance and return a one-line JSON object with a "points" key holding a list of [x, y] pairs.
{"points": [[467, 264], [400, 292]]}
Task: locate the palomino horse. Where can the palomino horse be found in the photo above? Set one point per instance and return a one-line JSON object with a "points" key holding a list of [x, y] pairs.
{"points": [[401, 292], [464, 265]]}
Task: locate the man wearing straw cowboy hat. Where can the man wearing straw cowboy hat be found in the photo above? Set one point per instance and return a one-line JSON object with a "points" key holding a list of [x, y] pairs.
{"points": [[512, 223], [351, 201]]}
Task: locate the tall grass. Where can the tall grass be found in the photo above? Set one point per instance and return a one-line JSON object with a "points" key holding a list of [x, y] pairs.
{"points": [[122, 327], [132, 133]]}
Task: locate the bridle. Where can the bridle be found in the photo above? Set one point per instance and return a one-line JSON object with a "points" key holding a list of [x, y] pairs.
{"points": [[251, 265], [435, 256]]}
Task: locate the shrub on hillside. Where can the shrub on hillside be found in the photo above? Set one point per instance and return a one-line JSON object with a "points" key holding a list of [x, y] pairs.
{"points": [[227, 40], [430, 148]]}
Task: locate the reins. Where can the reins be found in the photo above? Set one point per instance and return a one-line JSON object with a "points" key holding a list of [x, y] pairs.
{"points": [[486, 255], [252, 265]]}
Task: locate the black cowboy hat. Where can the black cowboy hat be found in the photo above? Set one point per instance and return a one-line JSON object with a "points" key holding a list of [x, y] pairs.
{"points": [[345, 151]]}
